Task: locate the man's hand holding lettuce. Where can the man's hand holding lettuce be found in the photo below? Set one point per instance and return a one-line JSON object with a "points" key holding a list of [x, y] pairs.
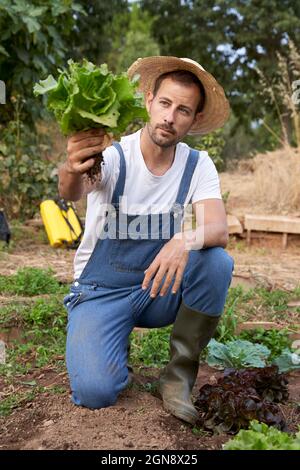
{"points": [[86, 96]]}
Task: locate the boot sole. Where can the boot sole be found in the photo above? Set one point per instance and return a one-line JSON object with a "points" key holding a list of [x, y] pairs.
{"points": [[181, 414]]}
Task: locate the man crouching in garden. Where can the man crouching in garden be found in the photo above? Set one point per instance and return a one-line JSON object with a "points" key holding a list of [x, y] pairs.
{"points": [[137, 266]]}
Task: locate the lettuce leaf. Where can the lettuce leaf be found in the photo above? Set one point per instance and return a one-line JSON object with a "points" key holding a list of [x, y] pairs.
{"points": [[259, 436], [288, 361], [85, 96], [237, 353]]}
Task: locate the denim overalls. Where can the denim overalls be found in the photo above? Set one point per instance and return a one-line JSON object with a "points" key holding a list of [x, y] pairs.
{"points": [[107, 301]]}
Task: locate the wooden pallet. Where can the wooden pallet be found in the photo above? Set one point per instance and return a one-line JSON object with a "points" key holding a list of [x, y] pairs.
{"points": [[272, 223]]}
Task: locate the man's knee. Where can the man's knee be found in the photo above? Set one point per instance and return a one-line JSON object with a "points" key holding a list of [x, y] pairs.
{"points": [[207, 280], [212, 263], [219, 265], [95, 393]]}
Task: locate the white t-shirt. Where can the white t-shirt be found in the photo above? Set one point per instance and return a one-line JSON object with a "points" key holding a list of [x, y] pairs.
{"points": [[144, 192]]}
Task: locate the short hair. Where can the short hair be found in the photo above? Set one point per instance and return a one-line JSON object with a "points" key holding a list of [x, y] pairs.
{"points": [[186, 78]]}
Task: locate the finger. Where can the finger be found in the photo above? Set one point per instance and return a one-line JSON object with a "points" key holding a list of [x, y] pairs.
{"points": [[89, 142], [150, 272], [169, 278], [157, 281], [77, 136], [84, 154], [84, 167], [178, 279]]}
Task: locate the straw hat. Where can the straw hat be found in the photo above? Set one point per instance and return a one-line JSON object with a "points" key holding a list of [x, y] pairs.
{"points": [[216, 107]]}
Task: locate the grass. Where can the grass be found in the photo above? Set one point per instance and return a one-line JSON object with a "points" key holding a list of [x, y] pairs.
{"points": [[39, 321], [8, 404], [261, 304], [30, 282], [150, 348], [42, 325]]}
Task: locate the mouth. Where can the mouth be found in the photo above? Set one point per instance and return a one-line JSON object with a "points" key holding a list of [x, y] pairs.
{"points": [[168, 131]]}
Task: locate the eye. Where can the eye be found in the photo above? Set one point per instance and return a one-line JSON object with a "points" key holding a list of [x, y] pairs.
{"points": [[185, 111], [164, 103]]}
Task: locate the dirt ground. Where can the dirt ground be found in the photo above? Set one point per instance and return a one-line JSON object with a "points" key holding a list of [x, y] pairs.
{"points": [[138, 420]]}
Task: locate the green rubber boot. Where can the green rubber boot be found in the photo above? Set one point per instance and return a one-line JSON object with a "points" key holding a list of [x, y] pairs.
{"points": [[191, 333]]}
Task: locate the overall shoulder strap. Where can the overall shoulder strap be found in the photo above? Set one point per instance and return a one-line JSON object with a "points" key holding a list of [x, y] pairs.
{"points": [[185, 182], [119, 189]]}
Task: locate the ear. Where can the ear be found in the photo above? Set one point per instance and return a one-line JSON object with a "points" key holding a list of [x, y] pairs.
{"points": [[148, 100], [197, 118]]}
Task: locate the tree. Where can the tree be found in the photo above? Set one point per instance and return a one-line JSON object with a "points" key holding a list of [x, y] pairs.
{"points": [[33, 43], [132, 38], [95, 31], [229, 38]]}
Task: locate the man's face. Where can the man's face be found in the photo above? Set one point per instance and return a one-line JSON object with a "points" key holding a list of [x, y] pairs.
{"points": [[172, 112]]}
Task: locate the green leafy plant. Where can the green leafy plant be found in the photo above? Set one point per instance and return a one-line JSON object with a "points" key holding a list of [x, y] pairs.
{"points": [[288, 361], [213, 143], [236, 353], [259, 436], [34, 40], [150, 348], [275, 340], [41, 327], [28, 174], [228, 323], [29, 282], [86, 96], [8, 404]]}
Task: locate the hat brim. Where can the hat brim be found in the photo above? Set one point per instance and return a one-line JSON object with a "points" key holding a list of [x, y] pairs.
{"points": [[216, 108]]}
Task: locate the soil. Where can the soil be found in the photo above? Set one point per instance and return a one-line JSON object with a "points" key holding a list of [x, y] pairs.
{"points": [[137, 421]]}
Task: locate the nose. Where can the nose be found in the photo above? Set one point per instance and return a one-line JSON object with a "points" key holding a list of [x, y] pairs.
{"points": [[169, 117]]}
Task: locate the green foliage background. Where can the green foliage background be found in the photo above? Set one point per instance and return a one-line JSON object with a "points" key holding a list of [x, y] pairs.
{"points": [[231, 39]]}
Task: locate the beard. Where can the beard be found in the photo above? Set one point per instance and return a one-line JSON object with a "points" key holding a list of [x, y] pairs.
{"points": [[162, 135]]}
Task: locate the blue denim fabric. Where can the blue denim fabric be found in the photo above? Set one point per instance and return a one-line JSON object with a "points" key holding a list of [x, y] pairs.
{"points": [[101, 320], [107, 301]]}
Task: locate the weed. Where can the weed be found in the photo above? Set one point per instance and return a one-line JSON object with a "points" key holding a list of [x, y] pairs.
{"points": [[14, 401], [42, 323], [199, 432], [228, 323], [275, 340], [151, 387], [225, 197], [276, 299], [29, 282], [56, 390], [150, 348]]}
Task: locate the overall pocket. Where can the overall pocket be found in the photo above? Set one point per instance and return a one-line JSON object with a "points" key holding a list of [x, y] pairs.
{"points": [[134, 255], [77, 294], [72, 299]]}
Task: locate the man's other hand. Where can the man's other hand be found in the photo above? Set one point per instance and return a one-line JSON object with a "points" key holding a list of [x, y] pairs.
{"points": [[170, 262]]}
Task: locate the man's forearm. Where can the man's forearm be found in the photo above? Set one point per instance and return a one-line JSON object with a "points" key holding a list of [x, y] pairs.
{"points": [[205, 236], [70, 184]]}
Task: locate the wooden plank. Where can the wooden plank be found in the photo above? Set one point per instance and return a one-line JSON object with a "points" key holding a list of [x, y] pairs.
{"points": [[253, 325], [234, 225], [272, 223], [284, 240]]}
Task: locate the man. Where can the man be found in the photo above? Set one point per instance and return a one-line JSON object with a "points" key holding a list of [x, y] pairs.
{"points": [[136, 265]]}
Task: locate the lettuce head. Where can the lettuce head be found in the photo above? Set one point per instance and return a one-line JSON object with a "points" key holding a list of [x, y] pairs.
{"points": [[85, 96]]}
